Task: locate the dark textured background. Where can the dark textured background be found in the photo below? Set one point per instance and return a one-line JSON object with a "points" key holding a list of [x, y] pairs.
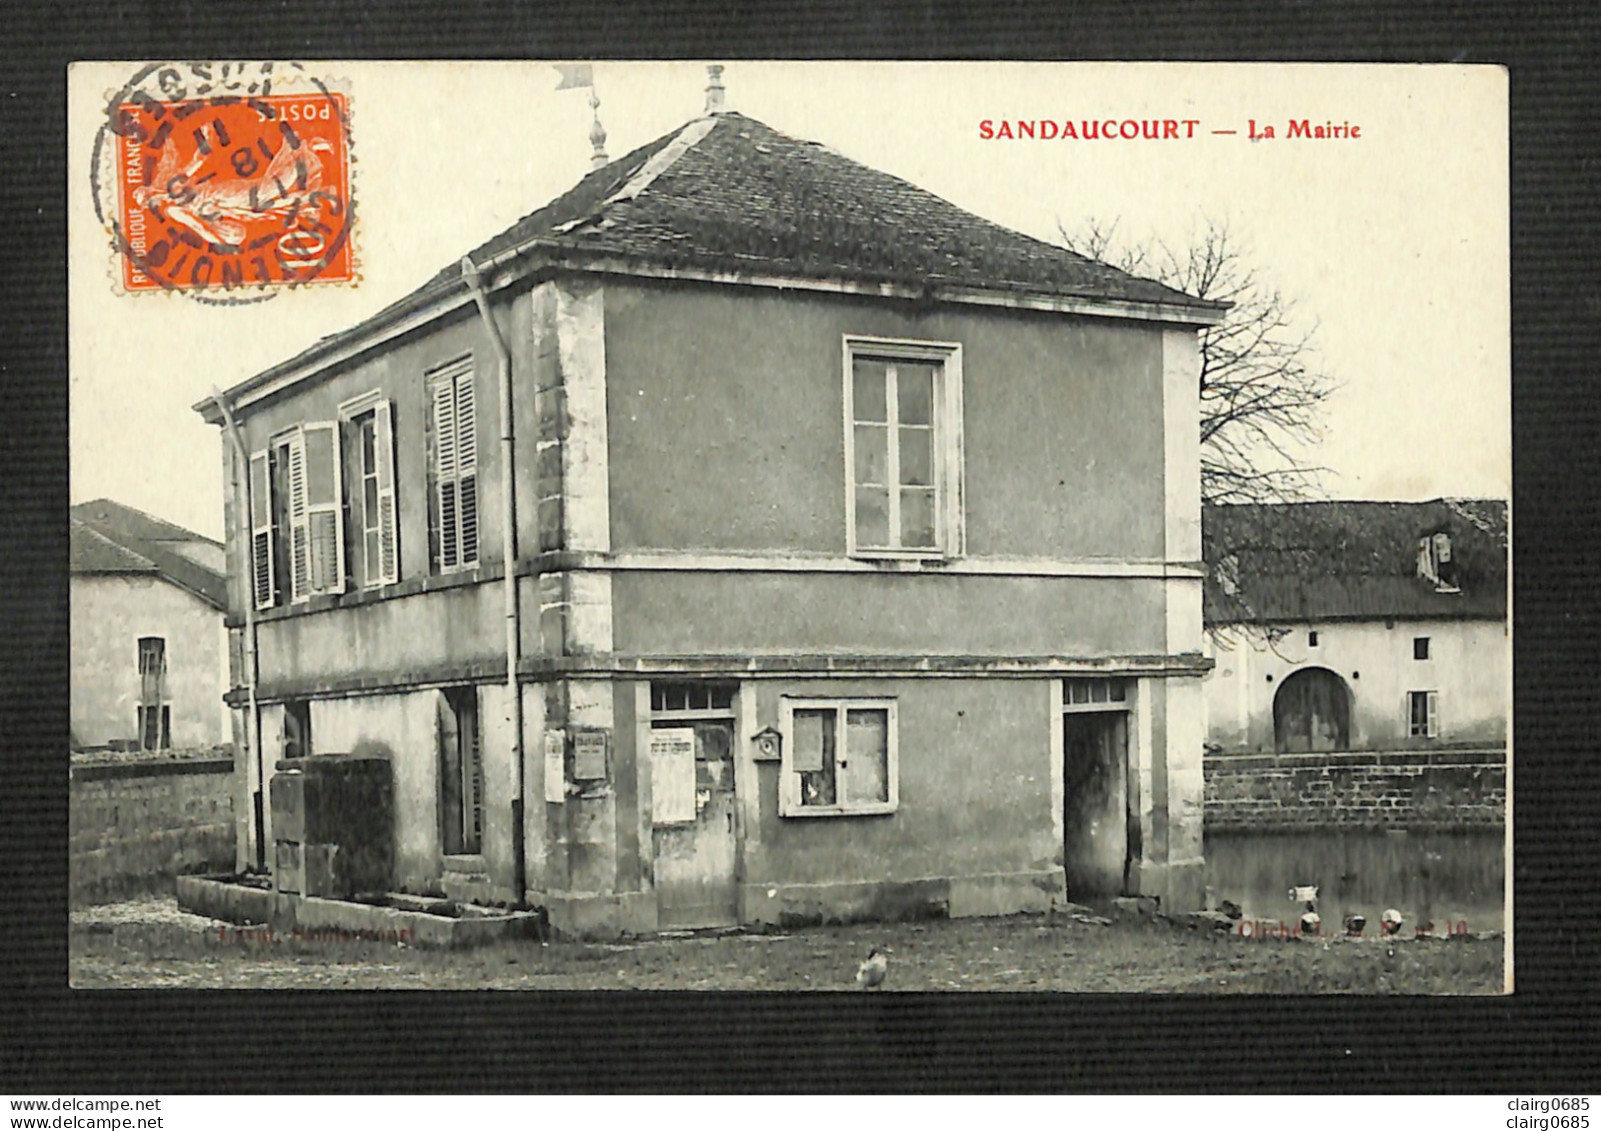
{"points": [[1537, 1041]]}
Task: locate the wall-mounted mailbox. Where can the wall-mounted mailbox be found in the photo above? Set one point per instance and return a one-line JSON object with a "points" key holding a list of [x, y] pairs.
{"points": [[768, 745]]}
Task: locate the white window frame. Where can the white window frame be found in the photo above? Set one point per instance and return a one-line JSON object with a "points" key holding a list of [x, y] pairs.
{"points": [[789, 799], [1431, 726], [949, 528], [383, 414], [1119, 684]]}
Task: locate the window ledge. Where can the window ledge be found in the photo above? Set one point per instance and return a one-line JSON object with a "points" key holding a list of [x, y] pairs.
{"points": [[464, 863], [841, 810], [410, 587]]}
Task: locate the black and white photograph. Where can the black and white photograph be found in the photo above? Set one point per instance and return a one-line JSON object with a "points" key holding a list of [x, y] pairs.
{"points": [[857, 527]]}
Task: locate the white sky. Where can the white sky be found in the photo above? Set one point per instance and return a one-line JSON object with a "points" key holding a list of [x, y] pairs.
{"points": [[1394, 244]]}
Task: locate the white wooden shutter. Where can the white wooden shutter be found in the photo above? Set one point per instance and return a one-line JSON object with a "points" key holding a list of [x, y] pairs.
{"points": [[261, 530], [467, 466], [325, 518], [1434, 714], [299, 532], [383, 429], [445, 470]]}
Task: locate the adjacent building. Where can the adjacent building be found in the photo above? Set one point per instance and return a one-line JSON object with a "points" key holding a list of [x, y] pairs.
{"points": [[1358, 626], [148, 644], [745, 536]]}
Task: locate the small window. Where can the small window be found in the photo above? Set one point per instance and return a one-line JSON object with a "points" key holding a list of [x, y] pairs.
{"points": [[1423, 714], [453, 466], [1435, 562], [153, 715], [839, 757], [691, 696], [903, 448], [1420, 647], [1094, 694], [1311, 639]]}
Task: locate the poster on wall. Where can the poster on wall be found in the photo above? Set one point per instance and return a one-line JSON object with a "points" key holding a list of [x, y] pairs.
{"points": [[672, 775], [555, 770]]}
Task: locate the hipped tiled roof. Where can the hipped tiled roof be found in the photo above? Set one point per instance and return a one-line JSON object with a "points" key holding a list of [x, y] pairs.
{"points": [[108, 537], [1342, 560], [727, 195], [730, 193]]}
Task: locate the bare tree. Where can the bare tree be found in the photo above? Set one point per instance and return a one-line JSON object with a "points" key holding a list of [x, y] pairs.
{"points": [[1262, 394]]}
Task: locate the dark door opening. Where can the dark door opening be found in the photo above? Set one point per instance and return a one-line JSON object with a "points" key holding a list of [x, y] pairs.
{"points": [[1098, 848], [1311, 712]]}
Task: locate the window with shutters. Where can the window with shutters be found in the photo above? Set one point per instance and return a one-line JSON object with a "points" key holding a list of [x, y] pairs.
{"points": [[372, 534], [839, 757], [453, 467], [461, 776], [154, 713], [297, 516], [903, 454], [1423, 714]]}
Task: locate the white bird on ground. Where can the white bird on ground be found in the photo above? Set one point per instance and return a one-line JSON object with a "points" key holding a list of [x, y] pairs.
{"points": [[870, 975]]}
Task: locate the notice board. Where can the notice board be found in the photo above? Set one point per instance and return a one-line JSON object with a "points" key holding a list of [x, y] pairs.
{"points": [[672, 775]]}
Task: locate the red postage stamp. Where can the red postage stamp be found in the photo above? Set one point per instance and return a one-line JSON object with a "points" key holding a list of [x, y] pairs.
{"points": [[230, 192]]}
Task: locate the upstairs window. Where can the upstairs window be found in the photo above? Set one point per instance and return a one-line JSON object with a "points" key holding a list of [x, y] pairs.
{"points": [[903, 448], [373, 535], [1420, 647], [1435, 562], [297, 516], [839, 757], [453, 467]]}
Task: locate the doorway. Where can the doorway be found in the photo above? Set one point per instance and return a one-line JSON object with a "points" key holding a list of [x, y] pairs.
{"points": [[1312, 712], [1100, 825], [695, 880]]}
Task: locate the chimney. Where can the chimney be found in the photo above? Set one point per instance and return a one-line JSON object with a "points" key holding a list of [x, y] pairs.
{"points": [[714, 89], [597, 134]]}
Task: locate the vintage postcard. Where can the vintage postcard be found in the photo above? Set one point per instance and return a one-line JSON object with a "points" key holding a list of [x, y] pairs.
{"points": [[741, 525]]}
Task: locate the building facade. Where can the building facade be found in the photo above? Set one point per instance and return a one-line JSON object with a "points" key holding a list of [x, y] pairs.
{"points": [[148, 643], [745, 537]]}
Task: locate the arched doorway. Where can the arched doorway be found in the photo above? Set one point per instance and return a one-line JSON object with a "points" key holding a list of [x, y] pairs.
{"points": [[1312, 711]]}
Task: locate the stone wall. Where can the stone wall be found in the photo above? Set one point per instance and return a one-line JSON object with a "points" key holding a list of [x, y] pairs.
{"points": [[136, 822], [1454, 788]]}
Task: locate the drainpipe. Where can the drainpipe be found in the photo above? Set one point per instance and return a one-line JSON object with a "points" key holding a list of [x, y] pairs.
{"points": [[242, 459], [508, 525]]}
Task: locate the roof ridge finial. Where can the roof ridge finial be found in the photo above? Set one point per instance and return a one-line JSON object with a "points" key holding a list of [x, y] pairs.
{"points": [[714, 89], [597, 133]]}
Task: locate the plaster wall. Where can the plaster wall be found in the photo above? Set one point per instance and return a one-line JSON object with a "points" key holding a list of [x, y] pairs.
{"points": [[110, 613], [1468, 664]]}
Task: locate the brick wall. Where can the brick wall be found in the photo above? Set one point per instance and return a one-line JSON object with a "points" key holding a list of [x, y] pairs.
{"points": [[1411, 789], [137, 821]]}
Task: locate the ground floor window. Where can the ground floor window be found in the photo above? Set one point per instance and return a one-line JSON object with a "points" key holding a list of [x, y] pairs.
{"points": [[461, 772], [297, 729], [1423, 714], [155, 727], [839, 757]]}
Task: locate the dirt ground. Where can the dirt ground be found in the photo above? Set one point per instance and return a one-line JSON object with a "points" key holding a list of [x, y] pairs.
{"points": [[152, 943]]}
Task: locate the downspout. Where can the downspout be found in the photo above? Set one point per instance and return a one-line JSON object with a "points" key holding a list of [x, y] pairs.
{"points": [[242, 459], [508, 526]]}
